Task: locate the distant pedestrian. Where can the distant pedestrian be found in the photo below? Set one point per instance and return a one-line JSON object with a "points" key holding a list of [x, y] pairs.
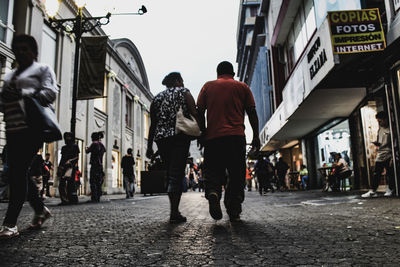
{"points": [[341, 171], [48, 167], [96, 150], [264, 171], [127, 164], [249, 179], [173, 148], [30, 79], [303, 176], [67, 169], [384, 160], [281, 170], [226, 102]]}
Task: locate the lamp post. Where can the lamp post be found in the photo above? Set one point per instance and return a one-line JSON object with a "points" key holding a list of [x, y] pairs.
{"points": [[78, 25]]}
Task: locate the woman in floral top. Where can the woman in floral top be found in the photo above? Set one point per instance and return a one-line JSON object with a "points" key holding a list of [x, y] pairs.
{"points": [[173, 148]]}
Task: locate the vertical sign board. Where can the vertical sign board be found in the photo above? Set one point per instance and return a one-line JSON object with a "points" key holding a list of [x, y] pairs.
{"points": [[356, 31]]}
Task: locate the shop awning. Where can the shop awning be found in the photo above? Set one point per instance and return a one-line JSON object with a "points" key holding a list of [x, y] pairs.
{"points": [[319, 107]]}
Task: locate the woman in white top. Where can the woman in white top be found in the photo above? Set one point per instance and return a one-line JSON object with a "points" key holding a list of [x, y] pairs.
{"points": [[29, 79]]}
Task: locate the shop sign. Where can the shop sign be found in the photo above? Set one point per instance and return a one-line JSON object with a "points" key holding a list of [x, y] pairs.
{"points": [[356, 31], [396, 4], [318, 60]]}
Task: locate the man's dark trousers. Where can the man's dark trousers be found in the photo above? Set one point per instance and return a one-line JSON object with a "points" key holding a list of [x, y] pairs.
{"points": [[96, 181], [221, 154]]}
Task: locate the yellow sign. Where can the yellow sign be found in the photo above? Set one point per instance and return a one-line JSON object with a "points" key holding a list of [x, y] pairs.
{"points": [[355, 31]]}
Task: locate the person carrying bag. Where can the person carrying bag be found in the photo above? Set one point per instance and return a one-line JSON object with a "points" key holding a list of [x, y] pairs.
{"points": [[173, 124], [37, 82]]}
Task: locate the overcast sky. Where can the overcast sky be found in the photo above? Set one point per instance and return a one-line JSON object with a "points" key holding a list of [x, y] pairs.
{"points": [[189, 36]]}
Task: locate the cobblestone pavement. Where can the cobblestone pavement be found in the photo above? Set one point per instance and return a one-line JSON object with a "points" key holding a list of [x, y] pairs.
{"points": [[281, 229]]}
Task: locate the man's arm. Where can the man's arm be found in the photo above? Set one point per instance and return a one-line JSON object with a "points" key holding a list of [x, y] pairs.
{"points": [[253, 118]]}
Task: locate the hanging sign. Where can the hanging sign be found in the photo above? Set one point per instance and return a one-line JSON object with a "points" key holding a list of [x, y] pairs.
{"points": [[356, 31], [92, 67], [396, 4]]}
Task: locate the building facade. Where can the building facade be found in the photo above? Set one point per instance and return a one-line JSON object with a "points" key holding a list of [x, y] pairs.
{"points": [[123, 113], [323, 101]]}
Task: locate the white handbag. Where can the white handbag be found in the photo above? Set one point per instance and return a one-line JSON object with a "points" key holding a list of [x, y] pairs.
{"points": [[186, 125]]}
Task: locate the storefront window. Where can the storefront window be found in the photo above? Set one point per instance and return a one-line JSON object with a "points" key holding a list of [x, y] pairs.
{"points": [[335, 140]]}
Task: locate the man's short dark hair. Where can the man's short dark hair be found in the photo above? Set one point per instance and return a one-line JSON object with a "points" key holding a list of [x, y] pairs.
{"points": [[68, 134], [47, 154], [225, 67], [381, 115], [95, 136], [27, 39], [129, 151]]}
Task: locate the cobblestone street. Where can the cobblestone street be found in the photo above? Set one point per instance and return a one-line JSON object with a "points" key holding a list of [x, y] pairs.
{"points": [[286, 229]]}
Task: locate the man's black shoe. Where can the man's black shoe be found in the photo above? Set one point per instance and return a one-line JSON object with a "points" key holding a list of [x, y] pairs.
{"points": [[234, 219], [177, 219], [214, 206]]}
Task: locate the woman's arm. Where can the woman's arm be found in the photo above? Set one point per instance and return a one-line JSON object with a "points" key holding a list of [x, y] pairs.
{"points": [[192, 106], [152, 130]]}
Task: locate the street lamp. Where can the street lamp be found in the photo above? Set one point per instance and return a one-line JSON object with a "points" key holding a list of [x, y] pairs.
{"points": [[78, 26]]}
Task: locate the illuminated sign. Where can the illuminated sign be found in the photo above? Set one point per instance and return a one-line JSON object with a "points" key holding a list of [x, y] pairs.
{"points": [[356, 31]]}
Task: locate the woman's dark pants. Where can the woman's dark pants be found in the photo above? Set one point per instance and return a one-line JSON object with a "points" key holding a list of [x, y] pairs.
{"points": [[21, 150], [174, 153]]}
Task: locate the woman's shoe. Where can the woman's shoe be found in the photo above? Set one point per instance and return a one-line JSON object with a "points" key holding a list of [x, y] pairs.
{"points": [[8, 232], [39, 219]]}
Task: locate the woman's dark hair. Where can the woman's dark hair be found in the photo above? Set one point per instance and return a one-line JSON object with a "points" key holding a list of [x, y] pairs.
{"points": [[129, 151], [381, 115], [29, 40], [171, 79], [225, 67]]}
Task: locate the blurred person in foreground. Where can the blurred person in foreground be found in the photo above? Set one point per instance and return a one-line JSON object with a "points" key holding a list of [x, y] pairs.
{"points": [[28, 79]]}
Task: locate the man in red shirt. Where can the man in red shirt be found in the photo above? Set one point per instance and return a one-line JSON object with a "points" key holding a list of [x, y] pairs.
{"points": [[226, 102]]}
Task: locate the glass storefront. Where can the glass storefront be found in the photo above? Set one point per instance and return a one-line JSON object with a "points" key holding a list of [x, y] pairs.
{"points": [[334, 140]]}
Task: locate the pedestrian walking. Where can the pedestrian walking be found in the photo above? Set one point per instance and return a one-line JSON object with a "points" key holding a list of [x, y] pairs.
{"points": [[383, 159], [36, 169], [281, 170], [264, 172], [249, 179], [127, 164], [173, 148], [226, 102], [67, 169], [96, 150], [30, 79], [48, 167]]}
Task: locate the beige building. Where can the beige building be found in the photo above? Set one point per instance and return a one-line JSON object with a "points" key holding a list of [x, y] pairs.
{"points": [[123, 115]]}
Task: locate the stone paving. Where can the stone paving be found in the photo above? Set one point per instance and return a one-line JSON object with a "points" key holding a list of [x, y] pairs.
{"points": [[282, 229]]}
